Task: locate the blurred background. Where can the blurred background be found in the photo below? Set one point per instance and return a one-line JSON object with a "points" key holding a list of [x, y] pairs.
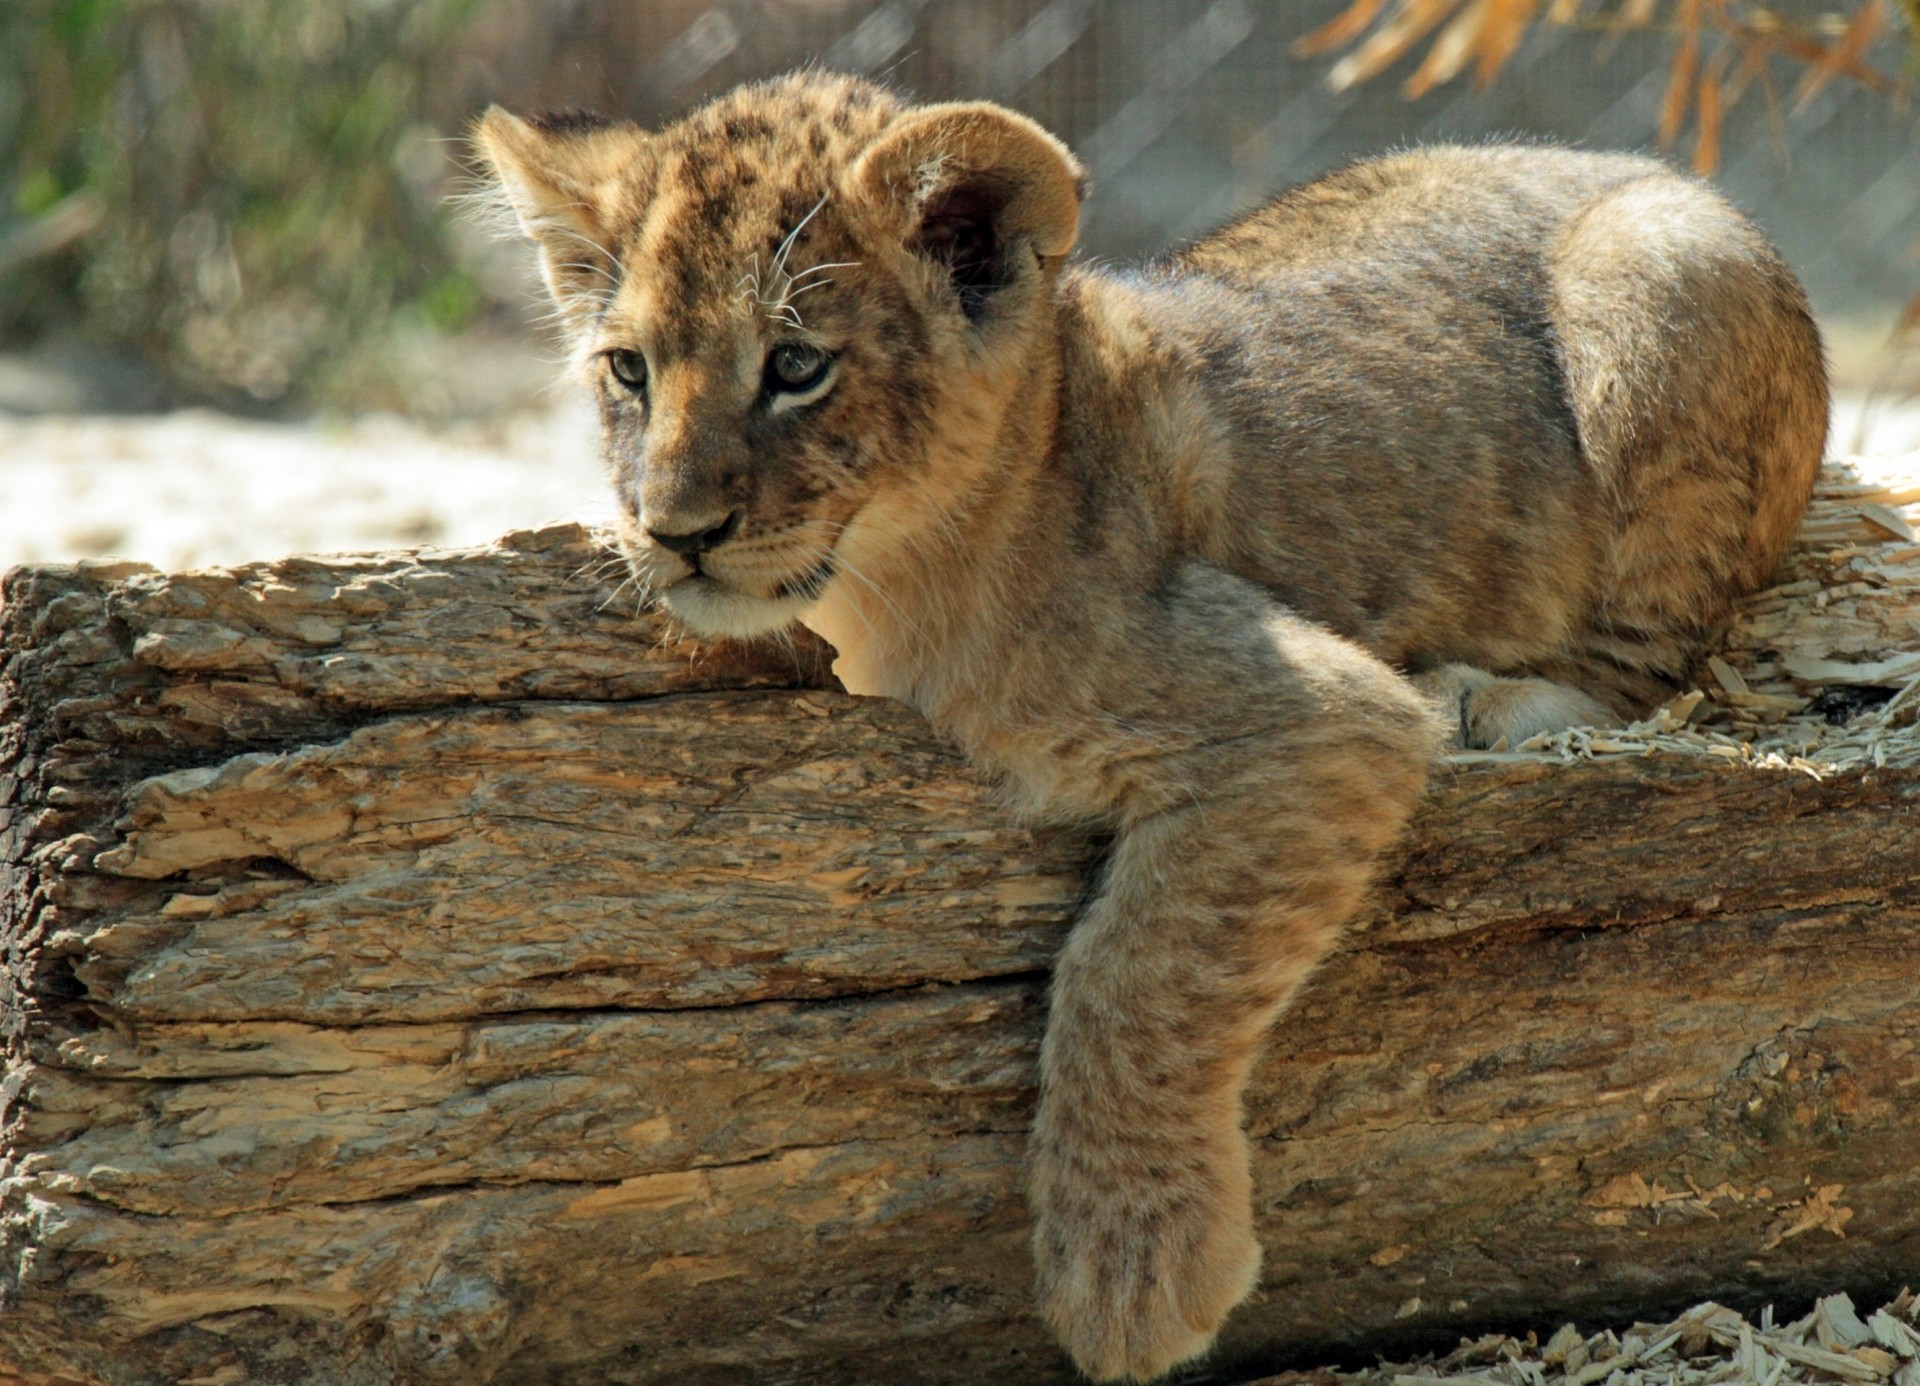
{"points": [[239, 313]]}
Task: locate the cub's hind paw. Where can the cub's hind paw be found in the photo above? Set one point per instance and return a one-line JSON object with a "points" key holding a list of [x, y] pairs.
{"points": [[1134, 1290], [1486, 708]]}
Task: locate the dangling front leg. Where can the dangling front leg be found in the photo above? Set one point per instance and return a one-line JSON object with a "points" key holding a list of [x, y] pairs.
{"points": [[1214, 908]]}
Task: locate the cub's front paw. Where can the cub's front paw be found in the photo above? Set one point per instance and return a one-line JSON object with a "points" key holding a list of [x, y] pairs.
{"points": [[1133, 1283]]}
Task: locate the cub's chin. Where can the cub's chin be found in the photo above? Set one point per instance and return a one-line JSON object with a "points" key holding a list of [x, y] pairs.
{"points": [[709, 607]]}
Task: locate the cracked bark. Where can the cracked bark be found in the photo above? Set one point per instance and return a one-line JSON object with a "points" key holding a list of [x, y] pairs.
{"points": [[414, 971]]}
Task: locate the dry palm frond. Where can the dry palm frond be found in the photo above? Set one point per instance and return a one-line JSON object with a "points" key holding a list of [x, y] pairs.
{"points": [[1686, 62], [1846, 55], [1720, 48], [1706, 144], [1343, 29], [1406, 26], [1452, 50], [1506, 25]]}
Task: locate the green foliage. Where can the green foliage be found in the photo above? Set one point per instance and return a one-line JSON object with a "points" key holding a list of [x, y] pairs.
{"points": [[266, 178]]}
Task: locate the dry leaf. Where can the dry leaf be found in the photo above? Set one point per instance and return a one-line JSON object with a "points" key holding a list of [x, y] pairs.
{"points": [[1864, 28], [1797, 45], [1753, 61], [1343, 28], [1635, 14], [1706, 140], [1686, 64], [1406, 27], [1500, 37], [1450, 51]]}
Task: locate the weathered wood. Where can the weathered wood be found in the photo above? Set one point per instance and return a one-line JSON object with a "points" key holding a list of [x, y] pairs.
{"points": [[418, 971]]}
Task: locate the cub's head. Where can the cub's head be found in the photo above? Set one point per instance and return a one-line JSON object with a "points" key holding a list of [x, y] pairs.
{"points": [[804, 310]]}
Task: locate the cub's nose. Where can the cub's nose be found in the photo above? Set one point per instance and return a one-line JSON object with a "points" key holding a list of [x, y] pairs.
{"points": [[699, 541]]}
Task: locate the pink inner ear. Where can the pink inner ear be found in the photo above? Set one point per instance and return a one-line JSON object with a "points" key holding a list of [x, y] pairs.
{"points": [[957, 228]]}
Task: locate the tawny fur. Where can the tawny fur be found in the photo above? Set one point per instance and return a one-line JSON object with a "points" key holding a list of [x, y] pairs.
{"points": [[1170, 550]]}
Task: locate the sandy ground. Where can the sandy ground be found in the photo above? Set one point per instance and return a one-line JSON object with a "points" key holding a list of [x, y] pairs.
{"points": [[194, 488]]}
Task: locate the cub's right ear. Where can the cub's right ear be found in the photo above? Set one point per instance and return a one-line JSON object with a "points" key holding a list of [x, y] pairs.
{"points": [[566, 178], [982, 191]]}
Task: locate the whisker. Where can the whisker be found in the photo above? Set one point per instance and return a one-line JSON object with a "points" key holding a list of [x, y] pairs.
{"points": [[595, 571], [786, 246], [600, 270], [584, 239], [821, 269], [614, 595]]}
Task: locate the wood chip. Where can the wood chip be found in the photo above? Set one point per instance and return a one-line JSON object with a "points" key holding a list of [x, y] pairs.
{"points": [[1881, 673], [1837, 1326], [1726, 675], [1709, 1345], [1891, 520], [1893, 1335], [1767, 704]]}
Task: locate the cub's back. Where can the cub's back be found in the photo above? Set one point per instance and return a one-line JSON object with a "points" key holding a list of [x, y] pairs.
{"points": [[1380, 345], [1490, 372], [1499, 203]]}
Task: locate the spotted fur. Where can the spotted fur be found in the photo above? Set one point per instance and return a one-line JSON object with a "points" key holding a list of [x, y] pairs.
{"points": [[1177, 551]]}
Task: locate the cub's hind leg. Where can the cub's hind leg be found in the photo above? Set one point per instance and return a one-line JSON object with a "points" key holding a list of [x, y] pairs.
{"points": [[1699, 389], [1483, 710]]}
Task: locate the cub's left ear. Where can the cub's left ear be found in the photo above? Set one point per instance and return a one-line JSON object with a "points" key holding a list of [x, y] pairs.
{"points": [[978, 189], [566, 177]]}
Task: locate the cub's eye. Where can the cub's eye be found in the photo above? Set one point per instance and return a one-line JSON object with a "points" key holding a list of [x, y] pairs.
{"points": [[795, 368], [629, 368]]}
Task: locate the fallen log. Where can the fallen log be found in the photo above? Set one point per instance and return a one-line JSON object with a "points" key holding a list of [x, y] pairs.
{"points": [[419, 967]]}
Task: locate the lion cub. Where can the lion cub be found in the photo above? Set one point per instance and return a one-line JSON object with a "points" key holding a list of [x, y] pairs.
{"points": [[1214, 553]]}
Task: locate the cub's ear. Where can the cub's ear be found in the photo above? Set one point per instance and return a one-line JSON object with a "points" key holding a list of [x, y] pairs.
{"points": [[564, 177], [978, 189]]}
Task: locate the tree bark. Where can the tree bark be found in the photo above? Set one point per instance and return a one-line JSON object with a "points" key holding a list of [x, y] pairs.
{"points": [[419, 969]]}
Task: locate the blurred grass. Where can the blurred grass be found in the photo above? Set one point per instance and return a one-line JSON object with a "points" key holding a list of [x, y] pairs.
{"points": [[246, 193]]}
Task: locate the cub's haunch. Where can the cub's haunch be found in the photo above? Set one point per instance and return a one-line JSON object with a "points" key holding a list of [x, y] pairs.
{"points": [[1461, 442]]}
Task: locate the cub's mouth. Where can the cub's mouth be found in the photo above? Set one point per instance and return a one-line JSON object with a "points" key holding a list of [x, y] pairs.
{"points": [[711, 603]]}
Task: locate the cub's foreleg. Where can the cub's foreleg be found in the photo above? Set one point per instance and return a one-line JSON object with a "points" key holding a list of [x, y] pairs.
{"points": [[1285, 760]]}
